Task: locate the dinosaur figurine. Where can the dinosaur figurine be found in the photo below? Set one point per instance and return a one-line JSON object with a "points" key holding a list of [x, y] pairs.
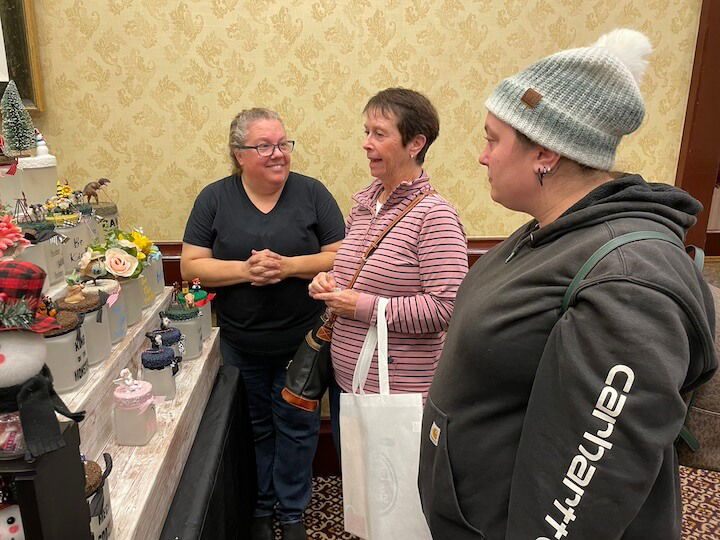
{"points": [[91, 189]]}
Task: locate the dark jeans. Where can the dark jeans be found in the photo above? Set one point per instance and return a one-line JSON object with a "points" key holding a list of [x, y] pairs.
{"points": [[285, 437]]}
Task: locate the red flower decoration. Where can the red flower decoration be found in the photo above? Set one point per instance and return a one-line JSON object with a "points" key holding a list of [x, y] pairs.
{"points": [[11, 236]]}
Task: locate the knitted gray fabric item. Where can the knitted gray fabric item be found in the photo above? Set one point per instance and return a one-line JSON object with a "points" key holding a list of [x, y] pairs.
{"points": [[584, 100]]}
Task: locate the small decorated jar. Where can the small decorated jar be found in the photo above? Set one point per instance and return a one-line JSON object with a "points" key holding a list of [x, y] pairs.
{"points": [[173, 338], [134, 418], [132, 292], [79, 238], [115, 305], [37, 254], [108, 211], [56, 266], [98, 498], [188, 322], [88, 216], [42, 235], [96, 324], [148, 292], [155, 274], [157, 366], [202, 300], [66, 352]]}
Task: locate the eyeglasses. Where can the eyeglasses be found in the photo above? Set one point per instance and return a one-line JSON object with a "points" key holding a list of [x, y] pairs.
{"points": [[267, 150]]}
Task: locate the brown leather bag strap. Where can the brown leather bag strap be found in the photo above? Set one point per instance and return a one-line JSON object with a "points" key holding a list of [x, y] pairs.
{"points": [[375, 243]]}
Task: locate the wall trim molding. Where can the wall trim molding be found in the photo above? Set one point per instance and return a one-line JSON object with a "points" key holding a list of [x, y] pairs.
{"points": [[326, 462], [477, 247]]}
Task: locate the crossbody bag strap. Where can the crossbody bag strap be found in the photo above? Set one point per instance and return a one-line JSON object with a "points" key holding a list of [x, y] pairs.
{"points": [[698, 261], [612, 245], [375, 243]]}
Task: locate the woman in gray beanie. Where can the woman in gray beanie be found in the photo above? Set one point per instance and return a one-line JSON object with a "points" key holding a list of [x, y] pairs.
{"points": [[548, 420]]}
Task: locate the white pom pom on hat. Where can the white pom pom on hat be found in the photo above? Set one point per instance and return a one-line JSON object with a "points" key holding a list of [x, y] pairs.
{"points": [[630, 46], [579, 102]]}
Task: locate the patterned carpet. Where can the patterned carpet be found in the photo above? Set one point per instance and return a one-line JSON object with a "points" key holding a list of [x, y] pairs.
{"points": [[700, 491], [324, 515], [701, 504]]}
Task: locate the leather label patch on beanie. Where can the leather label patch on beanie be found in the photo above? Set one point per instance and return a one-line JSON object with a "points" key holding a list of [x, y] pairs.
{"points": [[531, 98]]}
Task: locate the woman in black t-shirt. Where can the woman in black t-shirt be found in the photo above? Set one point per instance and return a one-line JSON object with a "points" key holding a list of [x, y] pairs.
{"points": [[259, 236]]}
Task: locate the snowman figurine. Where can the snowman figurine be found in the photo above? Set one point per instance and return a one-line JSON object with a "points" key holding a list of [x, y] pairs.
{"points": [[22, 356], [24, 377], [10, 523]]}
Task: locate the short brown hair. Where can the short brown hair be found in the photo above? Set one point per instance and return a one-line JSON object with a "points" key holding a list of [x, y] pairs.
{"points": [[414, 112]]}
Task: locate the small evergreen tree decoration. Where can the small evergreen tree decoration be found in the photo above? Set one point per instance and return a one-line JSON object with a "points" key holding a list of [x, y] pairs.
{"points": [[17, 315], [17, 127]]}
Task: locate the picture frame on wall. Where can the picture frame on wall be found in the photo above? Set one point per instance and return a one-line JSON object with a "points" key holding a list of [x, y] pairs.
{"points": [[20, 52]]}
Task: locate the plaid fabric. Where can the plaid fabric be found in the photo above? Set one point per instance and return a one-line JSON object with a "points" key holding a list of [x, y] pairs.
{"points": [[24, 280]]}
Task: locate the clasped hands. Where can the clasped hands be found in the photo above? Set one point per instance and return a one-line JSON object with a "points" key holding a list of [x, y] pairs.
{"points": [[341, 302], [267, 267]]}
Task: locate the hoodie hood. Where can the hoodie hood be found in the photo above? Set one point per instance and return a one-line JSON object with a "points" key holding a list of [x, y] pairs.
{"points": [[628, 196]]}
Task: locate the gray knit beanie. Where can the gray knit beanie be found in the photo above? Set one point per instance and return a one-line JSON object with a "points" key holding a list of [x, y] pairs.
{"points": [[580, 102]]}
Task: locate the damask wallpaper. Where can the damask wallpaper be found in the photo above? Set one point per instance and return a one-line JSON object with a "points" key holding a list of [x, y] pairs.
{"points": [[143, 92]]}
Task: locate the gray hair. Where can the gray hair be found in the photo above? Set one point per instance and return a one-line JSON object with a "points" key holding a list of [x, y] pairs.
{"points": [[239, 130]]}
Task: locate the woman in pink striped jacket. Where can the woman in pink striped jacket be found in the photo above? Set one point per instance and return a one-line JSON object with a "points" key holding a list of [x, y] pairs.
{"points": [[418, 266]]}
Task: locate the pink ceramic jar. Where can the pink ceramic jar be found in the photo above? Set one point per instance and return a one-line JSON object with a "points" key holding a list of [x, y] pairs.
{"points": [[134, 415]]}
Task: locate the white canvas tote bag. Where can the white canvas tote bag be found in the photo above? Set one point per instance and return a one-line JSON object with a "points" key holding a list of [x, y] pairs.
{"points": [[380, 438]]}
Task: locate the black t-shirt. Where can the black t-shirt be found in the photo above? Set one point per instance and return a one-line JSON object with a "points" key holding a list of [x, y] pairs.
{"points": [[271, 319]]}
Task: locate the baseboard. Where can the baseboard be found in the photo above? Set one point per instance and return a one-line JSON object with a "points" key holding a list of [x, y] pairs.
{"points": [[326, 461]]}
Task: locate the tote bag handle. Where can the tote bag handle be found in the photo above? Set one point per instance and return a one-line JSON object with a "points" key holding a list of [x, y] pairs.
{"points": [[377, 336]]}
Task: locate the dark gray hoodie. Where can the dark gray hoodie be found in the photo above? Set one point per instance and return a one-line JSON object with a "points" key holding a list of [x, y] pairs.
{"points": [[541, 425]]}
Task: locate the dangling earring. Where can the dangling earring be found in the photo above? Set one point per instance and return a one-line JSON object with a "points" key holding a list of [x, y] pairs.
{"points": [[542, 173]]}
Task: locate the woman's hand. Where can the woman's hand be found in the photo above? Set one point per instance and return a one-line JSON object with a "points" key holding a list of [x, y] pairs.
{"points": [[341, 303], [267, 267], [323, 282]]}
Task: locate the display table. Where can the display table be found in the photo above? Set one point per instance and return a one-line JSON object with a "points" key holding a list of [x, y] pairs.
{"points": [[144, 478], [216, 494], [95, 396]]}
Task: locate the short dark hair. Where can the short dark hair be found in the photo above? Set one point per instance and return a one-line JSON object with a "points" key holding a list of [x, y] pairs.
{"points": [[414, 112]]}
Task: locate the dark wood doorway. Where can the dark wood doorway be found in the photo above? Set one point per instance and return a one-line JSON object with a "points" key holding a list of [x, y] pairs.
{"points": [[699, 162]]}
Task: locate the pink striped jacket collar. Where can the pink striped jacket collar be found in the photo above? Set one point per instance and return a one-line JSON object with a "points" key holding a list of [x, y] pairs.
{"points": [[369, 195]]}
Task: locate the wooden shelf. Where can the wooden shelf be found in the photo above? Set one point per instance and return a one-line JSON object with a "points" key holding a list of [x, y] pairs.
{"points": [[144, 478], [95, 396]]}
